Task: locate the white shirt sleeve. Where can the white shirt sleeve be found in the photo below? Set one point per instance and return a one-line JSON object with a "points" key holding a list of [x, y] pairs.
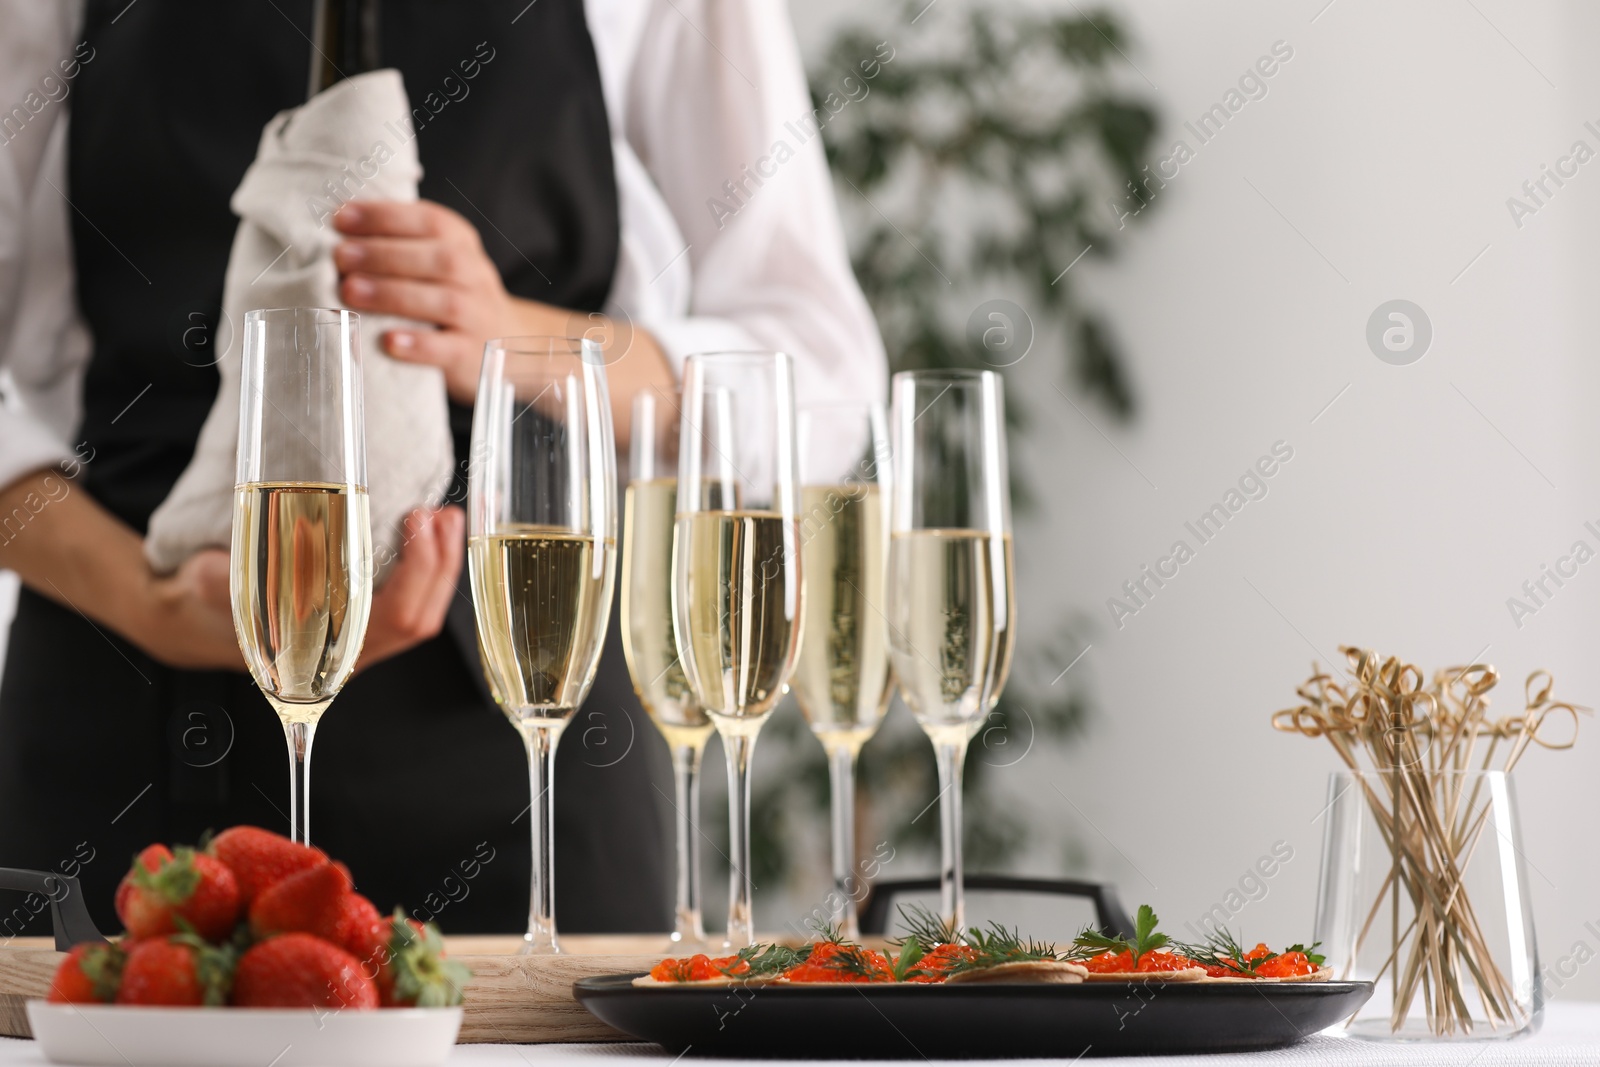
{"points": [[43, 345], [731, 237]]}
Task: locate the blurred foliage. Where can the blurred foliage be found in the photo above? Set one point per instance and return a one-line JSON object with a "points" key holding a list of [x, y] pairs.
{"points": [[990, 152], [1015, 130]]}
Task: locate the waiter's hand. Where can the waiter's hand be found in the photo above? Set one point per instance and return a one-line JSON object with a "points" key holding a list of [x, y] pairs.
{"points": [[190, 621], [422, 261], [409, 607], [78, 554]]}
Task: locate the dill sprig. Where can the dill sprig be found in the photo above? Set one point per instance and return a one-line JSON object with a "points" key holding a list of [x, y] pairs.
{"points": [[827, 931], [926, 928], [766, 961], [998, 945], [853, 959], [1092, 942], [1221, 949]]}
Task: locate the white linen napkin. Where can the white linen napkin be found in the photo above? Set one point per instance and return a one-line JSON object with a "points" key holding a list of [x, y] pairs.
{"points": [[352, 141]]}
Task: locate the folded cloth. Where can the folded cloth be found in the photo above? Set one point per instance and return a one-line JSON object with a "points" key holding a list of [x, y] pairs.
{"points": [[352, 141]]}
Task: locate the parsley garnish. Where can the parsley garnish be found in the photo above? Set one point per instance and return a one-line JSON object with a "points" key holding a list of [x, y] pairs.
{"points": [[1145, 939]]}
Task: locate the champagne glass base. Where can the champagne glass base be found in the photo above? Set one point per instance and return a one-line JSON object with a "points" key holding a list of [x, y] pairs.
{"points": [[543, 943], [689, 934]]}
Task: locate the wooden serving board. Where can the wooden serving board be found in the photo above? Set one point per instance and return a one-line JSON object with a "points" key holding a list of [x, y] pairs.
{"points": [[511, 999]]}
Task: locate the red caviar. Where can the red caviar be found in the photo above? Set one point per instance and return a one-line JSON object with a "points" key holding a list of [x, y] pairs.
{"points": [[832, 961], [1286, 965], [1149, 963], [698, 968], [936, 964]]}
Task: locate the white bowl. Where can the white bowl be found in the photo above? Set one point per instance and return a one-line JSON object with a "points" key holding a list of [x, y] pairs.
{"points": [[120, 1036]]}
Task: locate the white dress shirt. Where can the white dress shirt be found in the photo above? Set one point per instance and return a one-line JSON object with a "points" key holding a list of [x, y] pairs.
{"points": [[727, 242]]}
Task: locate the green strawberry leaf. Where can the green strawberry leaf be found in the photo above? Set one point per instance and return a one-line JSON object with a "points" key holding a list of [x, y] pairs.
{"points": [[422, 976], [174, 882]]}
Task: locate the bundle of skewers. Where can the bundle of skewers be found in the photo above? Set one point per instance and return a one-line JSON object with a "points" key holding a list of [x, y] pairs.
{"points": [[1410, 746]]}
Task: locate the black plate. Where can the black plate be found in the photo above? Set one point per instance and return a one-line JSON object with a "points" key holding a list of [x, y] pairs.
{"points": [[990, 1020]]}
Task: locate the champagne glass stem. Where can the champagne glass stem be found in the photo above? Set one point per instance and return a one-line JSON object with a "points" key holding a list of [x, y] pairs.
{"points": [[299, 735], [541, 935], [842, 779], [686, 777], [951, 755], [738, 744]]}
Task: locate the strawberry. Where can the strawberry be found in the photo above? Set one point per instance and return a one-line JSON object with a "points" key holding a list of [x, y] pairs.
{"points": [[310, 902], [89, 975], [152, 858], [301, 971], [353, 929], [260, 858], [181, 970], [190, 891], [416, 972]]}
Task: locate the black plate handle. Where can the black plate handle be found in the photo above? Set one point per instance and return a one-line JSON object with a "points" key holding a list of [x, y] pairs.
{"points": [[1108, 910], [69, 915]]}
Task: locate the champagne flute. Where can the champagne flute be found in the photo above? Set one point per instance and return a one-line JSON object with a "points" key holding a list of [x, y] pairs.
{"points": [[842, 678], [647, 521], [952, 614], [736, 582], [542, 514], [301, 563]]}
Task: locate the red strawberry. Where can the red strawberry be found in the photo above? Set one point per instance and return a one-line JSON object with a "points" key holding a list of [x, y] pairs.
{"points": [[151, 859], [301, 971], [415, 971], [190, 891], [260, 858], [89, 975], [353, 929], [309, 902], [181, 970]]}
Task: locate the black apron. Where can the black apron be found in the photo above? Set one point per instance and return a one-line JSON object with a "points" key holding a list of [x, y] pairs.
{"points": [[420, 784]]}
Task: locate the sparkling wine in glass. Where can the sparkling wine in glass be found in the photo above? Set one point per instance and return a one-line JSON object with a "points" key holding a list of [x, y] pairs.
{"points": [[842, 678], [541, 550], [301, 563], [648, 514], [952, 615], [737, 596]]}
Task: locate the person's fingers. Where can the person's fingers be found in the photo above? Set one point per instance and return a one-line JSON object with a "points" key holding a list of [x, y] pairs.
{"points": [[210, 572], [423, 301], [395, 218], [423, 259], [401, 600], [437, 348], [451, 523]]}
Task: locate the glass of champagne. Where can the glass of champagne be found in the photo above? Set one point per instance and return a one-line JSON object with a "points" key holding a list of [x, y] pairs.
{"points": [[647, 521], [542, 520], [842, 678], [736, 584], [952, 615], [301, 563]]}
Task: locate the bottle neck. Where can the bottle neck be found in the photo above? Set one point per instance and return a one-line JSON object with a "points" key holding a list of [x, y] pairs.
{"points": [[344, 41]]}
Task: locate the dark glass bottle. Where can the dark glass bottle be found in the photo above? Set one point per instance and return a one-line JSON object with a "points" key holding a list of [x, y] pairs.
{"points": [[344, 41]]}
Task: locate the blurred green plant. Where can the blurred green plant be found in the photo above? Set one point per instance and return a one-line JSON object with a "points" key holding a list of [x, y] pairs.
{"points": [[990, 153]]}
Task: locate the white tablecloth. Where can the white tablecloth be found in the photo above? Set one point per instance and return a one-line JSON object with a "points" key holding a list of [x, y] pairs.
{"points": [[1570, 1036]]}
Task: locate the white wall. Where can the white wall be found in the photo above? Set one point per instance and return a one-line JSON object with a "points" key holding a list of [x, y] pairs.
{"points": [[1377, 167]]}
